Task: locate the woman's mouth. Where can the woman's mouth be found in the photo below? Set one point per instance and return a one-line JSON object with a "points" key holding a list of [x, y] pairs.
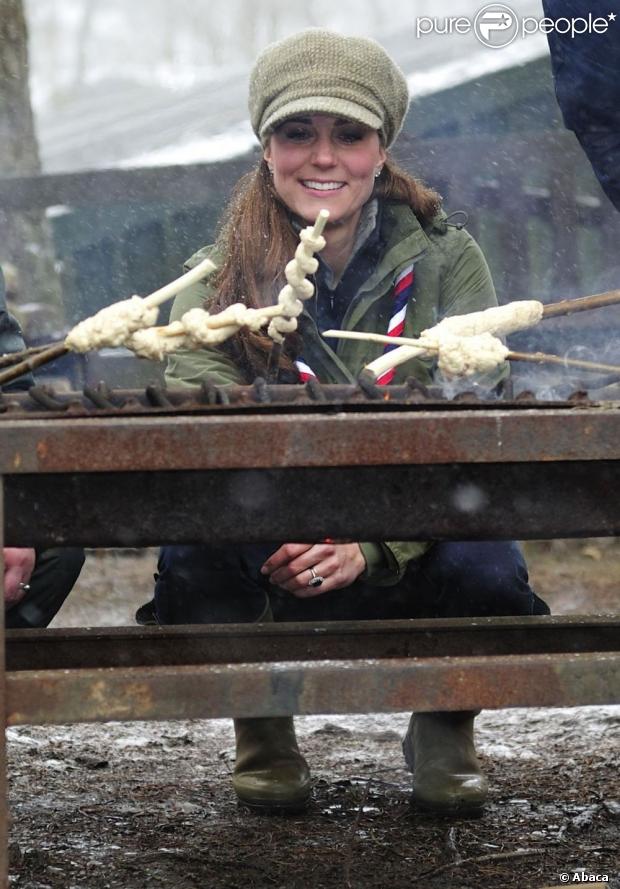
{"points": [[315, 185]]}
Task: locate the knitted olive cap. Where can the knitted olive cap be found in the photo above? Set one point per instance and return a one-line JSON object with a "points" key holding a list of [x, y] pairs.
{"points": [[323, 72]]}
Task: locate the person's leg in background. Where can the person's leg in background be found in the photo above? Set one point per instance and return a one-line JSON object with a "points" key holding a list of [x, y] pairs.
{"points": [[223, 584], [473, 579], [205, 584], [55, 573]]}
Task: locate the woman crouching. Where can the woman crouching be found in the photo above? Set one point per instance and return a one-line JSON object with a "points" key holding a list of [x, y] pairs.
{"points": [[326, 109]]}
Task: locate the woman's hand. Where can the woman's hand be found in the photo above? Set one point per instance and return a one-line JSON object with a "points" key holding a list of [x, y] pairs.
{"points": [[338, 564], [18, 567]]}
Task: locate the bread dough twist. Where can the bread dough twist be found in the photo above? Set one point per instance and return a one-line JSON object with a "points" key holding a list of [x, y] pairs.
{"points": [[298, 287]]}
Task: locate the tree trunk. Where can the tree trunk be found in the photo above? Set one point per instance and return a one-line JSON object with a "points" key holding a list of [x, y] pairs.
{"points": [[25, 238]]}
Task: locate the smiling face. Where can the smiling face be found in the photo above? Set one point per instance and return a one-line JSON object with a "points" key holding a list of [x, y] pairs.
{"points": [[320, 161]]}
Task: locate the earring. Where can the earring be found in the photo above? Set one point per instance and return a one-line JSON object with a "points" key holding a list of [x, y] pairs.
{"points": [[378, 172], [270, 168]]}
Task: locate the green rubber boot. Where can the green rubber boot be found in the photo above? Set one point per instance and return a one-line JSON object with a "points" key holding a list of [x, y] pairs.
{"points": [[270, 773], [439, 750]]}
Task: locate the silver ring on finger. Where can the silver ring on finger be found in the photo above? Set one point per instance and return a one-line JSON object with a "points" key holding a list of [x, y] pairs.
{"points": [[316, 579]]}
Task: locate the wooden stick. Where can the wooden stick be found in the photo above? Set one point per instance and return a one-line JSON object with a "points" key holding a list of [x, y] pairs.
{"points": [[493, 856], [544, 358], [479, 859], [202, 270], [569, 306], [10, 358], [534, 357], [379, 338], [48, 354]]}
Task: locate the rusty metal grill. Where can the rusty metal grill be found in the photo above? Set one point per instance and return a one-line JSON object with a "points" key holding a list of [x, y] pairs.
{"points": [[296, 462], [131, 468], [101, 400], [192, 672], [136, 468]]}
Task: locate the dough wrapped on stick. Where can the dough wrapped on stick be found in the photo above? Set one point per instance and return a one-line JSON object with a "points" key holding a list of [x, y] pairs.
{"points": [[298, 288], [497, 321], [114, 325], [198, 328], [457, 356], [111, 326]]}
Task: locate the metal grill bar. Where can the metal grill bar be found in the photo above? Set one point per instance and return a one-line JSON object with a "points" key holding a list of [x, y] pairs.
{"points": [[165, 646], [304, 687], [332, 439], [260, 398], [466, 501]]}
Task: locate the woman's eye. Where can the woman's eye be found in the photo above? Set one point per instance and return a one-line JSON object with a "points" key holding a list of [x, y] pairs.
{"points": [[350, 135], [296, 134]]}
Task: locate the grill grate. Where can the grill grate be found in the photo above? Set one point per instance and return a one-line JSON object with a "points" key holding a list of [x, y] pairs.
{"points": [[262, 397]]}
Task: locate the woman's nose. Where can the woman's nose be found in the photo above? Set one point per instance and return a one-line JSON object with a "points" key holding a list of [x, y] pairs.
{"points": [[324, 155]]}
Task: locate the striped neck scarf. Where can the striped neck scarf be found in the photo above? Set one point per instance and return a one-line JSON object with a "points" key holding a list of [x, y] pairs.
{"points": [[401, 297]]}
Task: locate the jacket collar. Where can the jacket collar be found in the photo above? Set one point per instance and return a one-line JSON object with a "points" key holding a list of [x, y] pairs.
{"points": [[406, 241]]}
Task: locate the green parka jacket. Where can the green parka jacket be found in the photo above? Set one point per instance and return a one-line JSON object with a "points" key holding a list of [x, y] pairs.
{"points": [[451, 278]]}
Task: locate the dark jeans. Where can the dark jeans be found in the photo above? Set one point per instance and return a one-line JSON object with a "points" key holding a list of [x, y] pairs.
{"points": [[54, 575], [223, 584]]}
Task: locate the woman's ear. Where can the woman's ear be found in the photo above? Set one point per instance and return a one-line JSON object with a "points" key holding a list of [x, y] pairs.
{"points": [[267, 158]]}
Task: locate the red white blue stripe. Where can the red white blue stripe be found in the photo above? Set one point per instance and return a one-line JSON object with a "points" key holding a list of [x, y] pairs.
{"points": [[403, 288], [305, 371]]}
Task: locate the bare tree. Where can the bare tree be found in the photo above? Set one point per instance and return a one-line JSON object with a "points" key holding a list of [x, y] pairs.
{"points": [[82, 38], [24, 236]]}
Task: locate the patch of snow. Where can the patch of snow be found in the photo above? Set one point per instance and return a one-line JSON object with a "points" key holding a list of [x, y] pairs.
{"points": [[469, 67], [499, 750], [57, 210], [55, 764], [226, 145], [132, 742], [21, 736]]}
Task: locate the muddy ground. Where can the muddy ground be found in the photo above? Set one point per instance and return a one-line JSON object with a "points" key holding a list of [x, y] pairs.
{"points": [[128, 806]]}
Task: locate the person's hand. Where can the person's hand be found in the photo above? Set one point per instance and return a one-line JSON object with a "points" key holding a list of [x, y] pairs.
{"points": [[338, 564], [18, 568]]}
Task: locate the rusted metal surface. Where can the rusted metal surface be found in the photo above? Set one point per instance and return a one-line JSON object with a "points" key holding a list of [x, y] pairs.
{"points": [[340, 438], [341, 470], [305, 687], [460, 501], [261, 398], [160, 646], [314, 460]]}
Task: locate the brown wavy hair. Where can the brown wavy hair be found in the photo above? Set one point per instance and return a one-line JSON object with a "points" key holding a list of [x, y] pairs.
{"points": [[257, 240]]}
